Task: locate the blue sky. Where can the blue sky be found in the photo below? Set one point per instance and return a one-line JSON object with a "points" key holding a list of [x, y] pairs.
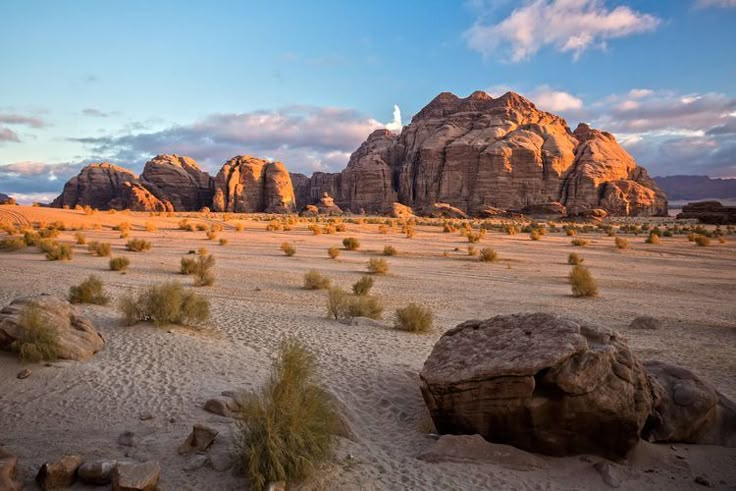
{"points": [[305, 82]]}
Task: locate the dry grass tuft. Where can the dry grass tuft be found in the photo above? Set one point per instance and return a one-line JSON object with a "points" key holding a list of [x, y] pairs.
{"points": [[582, 282], [38, 340], [488, 255], [119, 263], [89, 291], [288, 249], [351, 243], [574, 259], [313, 280], [621, 243], [101, 249], [167, 303], [377, 265], [333, 252], [363, 286], [414, 318]]}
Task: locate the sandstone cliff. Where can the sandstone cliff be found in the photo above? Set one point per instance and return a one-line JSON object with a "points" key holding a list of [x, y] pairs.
{"points": [[178, 180], [249, 184]]}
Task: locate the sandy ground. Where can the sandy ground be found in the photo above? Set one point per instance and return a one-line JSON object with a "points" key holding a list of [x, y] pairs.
{"points": [[81, 408]]}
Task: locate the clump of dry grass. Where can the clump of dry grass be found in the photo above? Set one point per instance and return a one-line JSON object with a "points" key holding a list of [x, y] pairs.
{"points": [[102, 249], [702, 240], [12, 244], [188, 265], [488, 255], [333, 252], [653, 239], [414, 318], [211, 235], [351, 243], [579, 242], [167, 303], [582, 282], [288, 249], [38, 340], [239, 226], [342, 305], [119, 263], [363, 286], [138, 245], [151, 227], [472, 251], [287, 429], [89, 291], [313, 280], [59, 252], [203, 274], [80, 238], [314, 228], [223, 242], [535, 235], [574, 259], [377, 265], [621, 243], [389, 250]]}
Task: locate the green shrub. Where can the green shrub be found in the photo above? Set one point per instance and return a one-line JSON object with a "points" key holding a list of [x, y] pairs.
{"points": [[313, 280], [702, 240], [203, 274], [363, 286], [351, 243], [12, 244], [389, 250], [167, 303], [377, 265], [102, 249], [333, 252], [59, 252], [89, 291], [38, 340], [582, 282], [119, 263], [287, 429], [288, 249], [488, 255], [414, 318], [579, 242], [573, 259], [138, 245], [621, 243]]}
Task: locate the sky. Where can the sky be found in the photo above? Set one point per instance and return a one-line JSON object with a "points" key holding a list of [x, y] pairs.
{"points": [[306, 82]]}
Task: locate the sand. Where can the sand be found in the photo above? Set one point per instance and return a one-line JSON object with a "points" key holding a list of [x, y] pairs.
{"points": [[257, 301]]}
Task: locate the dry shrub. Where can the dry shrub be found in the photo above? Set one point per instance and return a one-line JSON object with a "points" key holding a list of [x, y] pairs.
{"points": [[167, 303], [488, 255], [188, 265], [239, 227], [389, 250], [351, 243], [201, 227], [702, 240], [184, 224], [89, 291], [101, 249], [287, 429], [472, 251], [138, 245], [535, 235], [579, 242], [621, 243], [288, 249], [383, 229], [122, 227], [414, 318], [653, 239], [329, 229], [314, 228], [511, 229], [31, 237], [582, 282], [151, 227], [341, 227], [12, 244], [333, 252], [363, 286], [38, 340], [274, 226], [574, 259], [570, 232], [342, 305], [223, 242], [473, 237], [337, 299], [59, 252], [119, 263], [203, 251], [313, 280], [203, 274], [80, 238], [211, 235], [377, 265]]}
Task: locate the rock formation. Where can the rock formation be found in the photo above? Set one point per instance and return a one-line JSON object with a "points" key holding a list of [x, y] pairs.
{"points": [[6, 200], [178, 180], [712, 212], [249, 184]]}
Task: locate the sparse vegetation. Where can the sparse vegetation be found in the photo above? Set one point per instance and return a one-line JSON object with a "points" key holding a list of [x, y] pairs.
{"points": [[653, 239], [188, 265], [472, 251], [80, 238], [313, 280], [119, 263], [488, 255], [579, 242], [223, 242], [203, 274], [288, 249], [138, 245], [342, 305], [414, 318], [377, 265], [167, 303], [59, 252], [574, 259], [151, 227], [702, 240], [12, 244], [38, 340], [351, 243], [333, 252], [363, 286], [582, 282], [621, 243], [389, 250], [89, 291], [535, 235]]}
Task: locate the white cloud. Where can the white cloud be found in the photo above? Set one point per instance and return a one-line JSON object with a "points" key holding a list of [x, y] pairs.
{"points": [[638, 93], [566, 25], [395, 125], [552, 100]]}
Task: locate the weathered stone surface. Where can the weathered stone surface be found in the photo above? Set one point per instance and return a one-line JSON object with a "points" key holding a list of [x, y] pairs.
{"points": [[222, 406], [9, 472], [712, 212], [59, 474], [77, 338], [539, 382], [401, 211], [136, 477], [475, 449], [249, 184], [98, 472], [443, 210], [554, 209], [688, 409], [327, 206], [178, 180], [6, 200], [199, 439]]}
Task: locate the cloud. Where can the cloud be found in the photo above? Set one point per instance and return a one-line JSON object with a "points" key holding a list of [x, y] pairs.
{"points": [[19, 119], [90, 111], [552, 100], [7, 135], [568, 26], [715, 3], [36, 181], [395, 125]]}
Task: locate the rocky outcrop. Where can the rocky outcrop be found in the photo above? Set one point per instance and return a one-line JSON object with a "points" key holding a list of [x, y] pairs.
{"points": [[554, 209], [179, 181], [6, 200], [75, 336], [539, 382], [249, 184], [711, 212]]}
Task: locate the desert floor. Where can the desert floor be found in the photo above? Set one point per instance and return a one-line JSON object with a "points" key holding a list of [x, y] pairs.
{"points": [[258, 300]]}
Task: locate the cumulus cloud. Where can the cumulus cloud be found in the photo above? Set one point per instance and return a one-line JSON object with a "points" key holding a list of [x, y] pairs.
{"points": [[395, 125], [552, 100], [568, 26], [8, 135], [36, 181]]}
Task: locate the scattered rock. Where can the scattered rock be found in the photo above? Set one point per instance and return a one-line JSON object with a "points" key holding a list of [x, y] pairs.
{"points": [[77, 338], [550, 209], [9, 472], [127, 439], [199, 440], [195, 462], [539, 382], [475, 449], [222, 406], [401, 211], [221, 459], [97, 473], [361, 322], [145, 416], [25, 373], [645, 322], [136, 477], [703, 481], [59, 474], [443, 210], [608, 474]]}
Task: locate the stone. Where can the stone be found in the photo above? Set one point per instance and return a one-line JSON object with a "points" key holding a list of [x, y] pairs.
{"points": [[539, 382], [645, 322], [145, 416], [361, 322], [608, 474], [222, 406], [196, 462], [276, 486], [687, 409], [401, 211], [76, 337], [247, 184], [552, 209], [710, 212], [136, 476], [703, 481], [97, 473], [443, 210], [199, 439], [59, 474], [25, 373], [309, 211], [9, 472], [327, 206], [178, 180], [476, 450], [127, 439]]}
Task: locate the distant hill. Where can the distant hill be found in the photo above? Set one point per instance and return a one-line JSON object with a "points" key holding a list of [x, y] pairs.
{"points": [[681, 188]]}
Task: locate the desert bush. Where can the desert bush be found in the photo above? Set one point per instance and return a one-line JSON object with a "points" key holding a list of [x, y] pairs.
{"points": [[488, 255], [574, 259], [414, 318], [337, 300], [12, 244], [341, 227], [203, 251], [151, 227], [383, 229], [653, 239], [511, 230], [364, 306], [287, 429], [535, 235], [570, 232], [138, 245], [188, 265], [621, 243], [239, 227], [223, 242], [89, 291], [38, 340], [274, 226], [80, 238], [102, 249], [582, 282], [211, 235], [702, 240], [122, 227], [363, 286], [351, 243], [329, 229], [184, 224], [579, 242], [472, 251], [203, 274], [389, 250], [377, 266], [313, 280], [119, 263], [201, 227], [333, 252], [167, 303], [31, 237], [48, 233], [410, 232], [473, 237], [288, 249], [314, 228], [59, 252]]}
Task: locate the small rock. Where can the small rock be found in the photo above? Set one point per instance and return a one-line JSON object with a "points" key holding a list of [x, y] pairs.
{"points": [[607, 474], [276, 486], [645, 322], [136, 477], [127, 439], [219, 406], [145, 416], [97, 473], [195, 462], [59, 474], [703, 481], [172, 420], [199, 440], [24, 373], [9, 471]]}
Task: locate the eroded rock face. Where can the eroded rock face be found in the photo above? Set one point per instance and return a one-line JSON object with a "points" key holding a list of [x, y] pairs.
{"points": [[249, 184], [178, 180], [6, 200], [712, 212], [77, 338], [539, 382]]}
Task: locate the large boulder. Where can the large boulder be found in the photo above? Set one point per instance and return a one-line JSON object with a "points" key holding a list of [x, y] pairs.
{"points": [[248, 185], [539, 382], [76, 337], [712, 212], [136, 477], [59, 474], [688, 409], [178, 180]]}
